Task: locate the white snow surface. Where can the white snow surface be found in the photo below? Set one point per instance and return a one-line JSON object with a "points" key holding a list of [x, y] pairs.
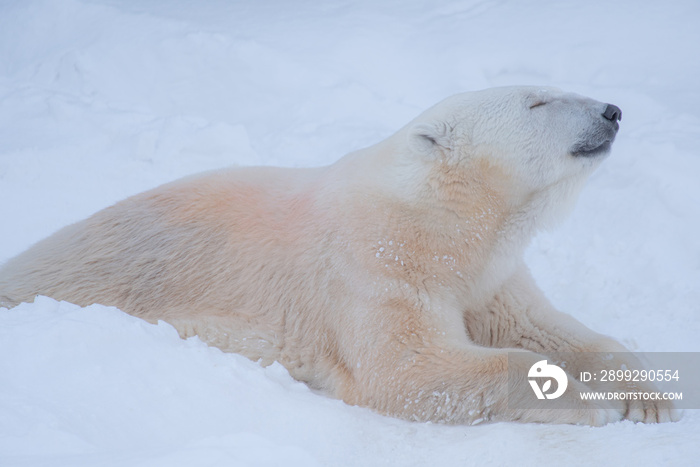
{"points": [[101, 99]]}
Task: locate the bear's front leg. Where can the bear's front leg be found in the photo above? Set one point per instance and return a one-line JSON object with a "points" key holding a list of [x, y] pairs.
{"points": [[466, 386], [520, 316], [414, 374]]}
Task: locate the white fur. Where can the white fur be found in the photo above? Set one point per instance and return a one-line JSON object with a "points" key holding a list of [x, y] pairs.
{"points": [[392, 279]]}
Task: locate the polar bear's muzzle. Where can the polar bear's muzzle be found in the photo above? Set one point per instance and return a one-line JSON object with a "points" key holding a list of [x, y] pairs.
{"points": [[599, 137]]}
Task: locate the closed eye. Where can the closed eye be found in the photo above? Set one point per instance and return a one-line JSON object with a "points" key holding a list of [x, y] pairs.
{"points": [[537, 104]]}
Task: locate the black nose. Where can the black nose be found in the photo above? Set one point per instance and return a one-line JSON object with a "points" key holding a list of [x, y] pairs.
{"points": [[612, 113]]}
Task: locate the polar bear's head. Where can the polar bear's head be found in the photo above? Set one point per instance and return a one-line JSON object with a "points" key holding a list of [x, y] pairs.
{"points": [[546, 141]]}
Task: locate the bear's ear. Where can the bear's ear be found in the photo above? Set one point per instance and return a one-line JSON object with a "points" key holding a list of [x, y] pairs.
{"points": [[427, 137]]}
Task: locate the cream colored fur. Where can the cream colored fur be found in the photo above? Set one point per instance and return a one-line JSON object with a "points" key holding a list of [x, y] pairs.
{"points": [[392, 279]]}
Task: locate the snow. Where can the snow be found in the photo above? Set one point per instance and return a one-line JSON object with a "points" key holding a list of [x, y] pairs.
{"points": [[101, 99]]}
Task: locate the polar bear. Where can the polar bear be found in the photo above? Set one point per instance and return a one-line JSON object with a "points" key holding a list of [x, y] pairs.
{"points": [[393, 279]]}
